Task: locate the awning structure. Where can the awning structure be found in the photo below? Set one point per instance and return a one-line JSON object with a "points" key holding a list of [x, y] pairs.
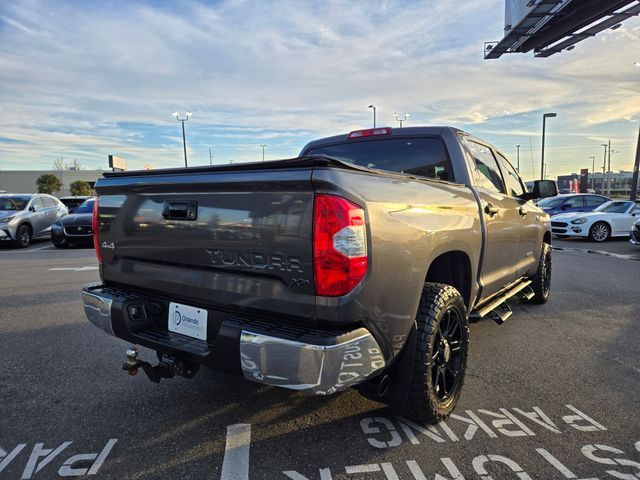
{"points": [[551, 26]]}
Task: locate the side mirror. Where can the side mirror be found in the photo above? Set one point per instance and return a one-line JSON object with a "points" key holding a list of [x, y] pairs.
{"points": [[541, 189], [32, 208]]}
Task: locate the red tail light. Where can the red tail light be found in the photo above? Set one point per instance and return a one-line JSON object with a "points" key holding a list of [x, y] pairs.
{"points": [[339, 245], [94, 227]]}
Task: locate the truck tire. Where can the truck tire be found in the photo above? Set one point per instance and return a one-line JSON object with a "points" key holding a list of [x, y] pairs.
{"points": [[440, 357], [541, 281]]}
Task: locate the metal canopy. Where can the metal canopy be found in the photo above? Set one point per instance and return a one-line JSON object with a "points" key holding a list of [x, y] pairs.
{"points": [[555, 25]]}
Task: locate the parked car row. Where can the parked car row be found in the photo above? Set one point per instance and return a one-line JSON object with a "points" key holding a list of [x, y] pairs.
{"points": [[591, 216], [24, 217], [611, 219]]}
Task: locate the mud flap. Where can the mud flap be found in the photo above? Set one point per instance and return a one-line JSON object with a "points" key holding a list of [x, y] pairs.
{"points": [[399, 375]]}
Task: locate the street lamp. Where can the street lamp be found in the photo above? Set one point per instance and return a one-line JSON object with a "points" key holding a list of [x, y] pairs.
{"points": [[518, 147], [184, 140], [374, 115], [402, 119], [544, 125], [263, 147]]}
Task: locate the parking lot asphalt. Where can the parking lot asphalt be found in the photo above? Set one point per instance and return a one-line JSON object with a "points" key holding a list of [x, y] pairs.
{"points": [[552, 393]]}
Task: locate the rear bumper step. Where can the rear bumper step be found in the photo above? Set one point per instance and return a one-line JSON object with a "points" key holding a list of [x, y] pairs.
{"points": [[303, 359]]}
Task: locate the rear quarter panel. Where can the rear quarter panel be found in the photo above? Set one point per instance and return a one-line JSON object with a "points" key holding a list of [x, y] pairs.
{"points": [[410, 223]]}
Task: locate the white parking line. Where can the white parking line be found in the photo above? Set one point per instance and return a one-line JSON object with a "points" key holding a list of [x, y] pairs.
{"points": [[40, 248], [235, 465], [75, 269]]}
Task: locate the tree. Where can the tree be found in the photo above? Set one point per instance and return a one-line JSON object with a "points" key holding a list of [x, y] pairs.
{"points": [[48, 183], [74, 165], [59, 164], [80, 188]]}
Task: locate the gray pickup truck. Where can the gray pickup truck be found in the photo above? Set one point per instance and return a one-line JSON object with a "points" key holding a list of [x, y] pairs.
{"points": [[357, 264]]}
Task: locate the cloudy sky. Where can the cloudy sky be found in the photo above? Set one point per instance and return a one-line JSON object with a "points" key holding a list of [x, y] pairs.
{"points": [[81, 80]]}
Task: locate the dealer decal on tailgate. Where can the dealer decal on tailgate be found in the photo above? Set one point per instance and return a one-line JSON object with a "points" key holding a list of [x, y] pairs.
{"points": [[190, 321]]}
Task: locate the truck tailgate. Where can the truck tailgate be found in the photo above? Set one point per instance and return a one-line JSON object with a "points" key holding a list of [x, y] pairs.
{"points": [[234, 240]]}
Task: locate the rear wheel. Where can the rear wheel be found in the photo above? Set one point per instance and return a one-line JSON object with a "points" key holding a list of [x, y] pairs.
{"points": [[541, 281], [599, 232], [440, 357], [24, 235]]}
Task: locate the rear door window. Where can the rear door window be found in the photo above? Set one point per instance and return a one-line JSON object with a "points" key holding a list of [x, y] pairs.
{"points": [[575, 202], [487, 171], [514, 184], [37, 203], [424, 156], [49, 202], [593, 201]]}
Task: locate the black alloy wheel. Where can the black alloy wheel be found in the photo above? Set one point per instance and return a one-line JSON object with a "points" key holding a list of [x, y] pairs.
{"points": [[23, 236], [447, 357]]}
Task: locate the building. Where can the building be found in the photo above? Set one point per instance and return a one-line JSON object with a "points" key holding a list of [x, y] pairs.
{"points": [[24, 181], [620, 182]]}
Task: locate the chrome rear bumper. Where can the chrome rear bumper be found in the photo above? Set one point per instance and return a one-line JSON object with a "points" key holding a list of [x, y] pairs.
{"points": [[309, 360], [319, 369], [97, 308]]}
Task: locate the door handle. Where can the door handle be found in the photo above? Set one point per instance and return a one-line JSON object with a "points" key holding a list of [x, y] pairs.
{"points": [[180, 210], [490, 209], [522, 211]]}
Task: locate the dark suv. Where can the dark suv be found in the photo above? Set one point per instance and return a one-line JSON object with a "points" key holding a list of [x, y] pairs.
{"points": [[576, 202]]}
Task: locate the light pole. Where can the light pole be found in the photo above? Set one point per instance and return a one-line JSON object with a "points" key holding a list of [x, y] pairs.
{"points": [[184, 139], [636, 168], [263, 147], [401, 119], [374, 115], [518, 147], [544, 125], [604, 167], [593, 171], [210, 157]]}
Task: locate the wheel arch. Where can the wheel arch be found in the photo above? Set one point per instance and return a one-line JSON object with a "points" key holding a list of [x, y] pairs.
{"points": [[27, 223], [606, 222], [452, 268]]}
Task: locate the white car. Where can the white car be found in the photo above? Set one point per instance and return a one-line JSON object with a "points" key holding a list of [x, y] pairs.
{"points": [[635, 233], [611, 219]]}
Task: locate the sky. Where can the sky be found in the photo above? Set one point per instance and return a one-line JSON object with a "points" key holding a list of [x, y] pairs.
{"points": [[82, 80]]}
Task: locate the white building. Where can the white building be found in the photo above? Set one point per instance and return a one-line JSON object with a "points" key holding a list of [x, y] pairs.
{"points": [[24, 181]]}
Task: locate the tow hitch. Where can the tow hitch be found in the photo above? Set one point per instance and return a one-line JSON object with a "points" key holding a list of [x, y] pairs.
{"points": [[168, 366]]}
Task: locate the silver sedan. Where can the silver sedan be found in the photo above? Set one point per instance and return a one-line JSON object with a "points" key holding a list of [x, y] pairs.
{"points": [[25, 216]]}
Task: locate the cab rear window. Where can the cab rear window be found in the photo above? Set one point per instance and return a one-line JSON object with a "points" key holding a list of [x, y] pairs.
{"points": [[426, 157]]}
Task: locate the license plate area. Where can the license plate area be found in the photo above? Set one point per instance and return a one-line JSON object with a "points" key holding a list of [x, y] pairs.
{"points": [[188, 320]]}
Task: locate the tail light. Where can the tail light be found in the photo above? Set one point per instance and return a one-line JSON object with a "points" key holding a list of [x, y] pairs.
{"points": [[339, 245], [94, 227]]}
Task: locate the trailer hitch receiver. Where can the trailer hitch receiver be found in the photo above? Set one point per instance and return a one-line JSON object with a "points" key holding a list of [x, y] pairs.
{"points": [[168, 366]]}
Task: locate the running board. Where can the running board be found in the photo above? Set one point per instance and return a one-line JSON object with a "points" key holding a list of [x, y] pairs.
{"points": [[526, 293], [497, 309]]}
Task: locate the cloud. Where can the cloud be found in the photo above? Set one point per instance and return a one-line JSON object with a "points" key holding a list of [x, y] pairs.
{"points": [[92, 79]]}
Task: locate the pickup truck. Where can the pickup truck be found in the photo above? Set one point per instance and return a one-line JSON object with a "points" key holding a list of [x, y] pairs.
{"points": [[358, 264]]}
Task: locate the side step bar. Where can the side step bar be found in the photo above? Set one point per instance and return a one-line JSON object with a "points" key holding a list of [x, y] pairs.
{"points": [[497, 309]]}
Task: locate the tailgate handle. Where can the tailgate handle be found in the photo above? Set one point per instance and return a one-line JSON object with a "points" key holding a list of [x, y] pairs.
{"points": [[180, 210]]}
